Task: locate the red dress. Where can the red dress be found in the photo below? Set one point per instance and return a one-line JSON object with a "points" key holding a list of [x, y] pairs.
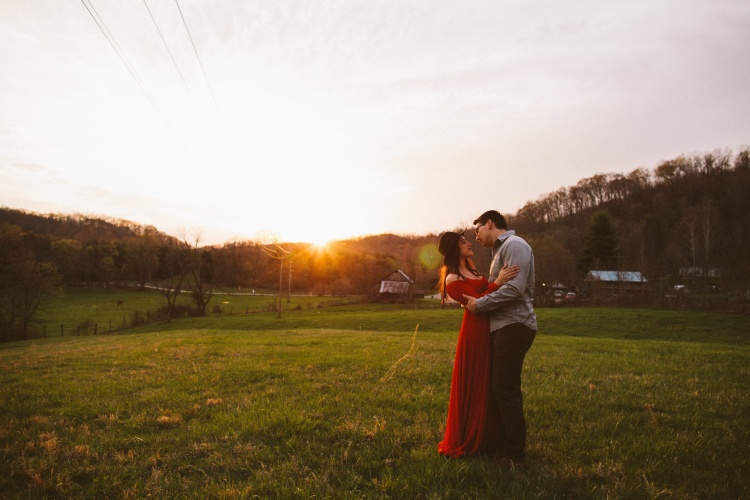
{"points": [[473, 417]]}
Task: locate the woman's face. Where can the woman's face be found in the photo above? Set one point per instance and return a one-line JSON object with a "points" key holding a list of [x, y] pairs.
{"points": [[464, 247]]}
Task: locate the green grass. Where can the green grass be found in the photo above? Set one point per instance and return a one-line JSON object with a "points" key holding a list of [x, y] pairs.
{"points": [[339, 403], [76, 307]]}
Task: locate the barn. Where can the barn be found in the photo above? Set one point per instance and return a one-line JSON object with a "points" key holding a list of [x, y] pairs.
{"points": [[614, 283], [395, 287]]}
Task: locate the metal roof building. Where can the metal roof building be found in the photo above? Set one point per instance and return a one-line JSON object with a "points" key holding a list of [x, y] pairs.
{"points": [[395, 287], [616, 276], [614, 283]]}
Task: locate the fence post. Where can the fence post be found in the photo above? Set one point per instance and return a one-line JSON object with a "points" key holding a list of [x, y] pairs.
{"points": [[96, 327]]}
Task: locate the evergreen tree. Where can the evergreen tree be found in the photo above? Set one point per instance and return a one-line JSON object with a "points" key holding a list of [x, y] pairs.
{"points": [[601, 248]]}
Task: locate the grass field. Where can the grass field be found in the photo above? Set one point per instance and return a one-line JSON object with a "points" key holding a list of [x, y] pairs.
{"points": [[77, 310], [348, 402]]}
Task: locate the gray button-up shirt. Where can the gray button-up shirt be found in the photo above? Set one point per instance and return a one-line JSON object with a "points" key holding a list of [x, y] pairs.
{"points": [[514, 301]]}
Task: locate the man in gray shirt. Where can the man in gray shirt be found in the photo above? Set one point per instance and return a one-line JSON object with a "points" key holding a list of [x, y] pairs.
{"points": [[512, 326]]}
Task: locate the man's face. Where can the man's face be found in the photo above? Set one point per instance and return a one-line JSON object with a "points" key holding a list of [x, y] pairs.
{"points": [[481, 230]]}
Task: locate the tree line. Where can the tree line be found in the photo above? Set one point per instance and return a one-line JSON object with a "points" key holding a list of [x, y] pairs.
{"points": [[41, 254], [687, 219]]}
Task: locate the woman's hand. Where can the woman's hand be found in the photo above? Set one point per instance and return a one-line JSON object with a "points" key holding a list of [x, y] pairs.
{"points": [[506, 273]]}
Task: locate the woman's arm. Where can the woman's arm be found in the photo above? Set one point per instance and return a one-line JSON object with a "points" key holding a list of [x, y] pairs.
{"points": [[506, 273], [459, 290]]}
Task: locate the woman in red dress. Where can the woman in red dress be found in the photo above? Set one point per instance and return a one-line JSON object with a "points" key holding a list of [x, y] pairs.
{"points": [[471, 427]]}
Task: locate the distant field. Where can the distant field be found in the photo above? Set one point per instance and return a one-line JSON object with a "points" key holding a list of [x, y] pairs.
{"points": [[240, 311], [77, 306], [348, 402]]}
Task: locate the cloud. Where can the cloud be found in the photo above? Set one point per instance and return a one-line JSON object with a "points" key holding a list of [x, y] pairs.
{"points": [[30, 167]]}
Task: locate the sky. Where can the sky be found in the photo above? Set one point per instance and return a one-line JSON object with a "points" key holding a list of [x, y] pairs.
{"points": [[313, 120]]}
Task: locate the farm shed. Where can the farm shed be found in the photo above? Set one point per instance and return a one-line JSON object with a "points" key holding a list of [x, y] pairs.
{"points": [[395, 287], [615, 282]]}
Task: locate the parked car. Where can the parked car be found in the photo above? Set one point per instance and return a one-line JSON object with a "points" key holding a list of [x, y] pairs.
{"points": [[558, 297], [571, 297]]}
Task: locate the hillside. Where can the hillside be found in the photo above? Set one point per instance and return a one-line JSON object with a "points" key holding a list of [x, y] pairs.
{"points": [[687, 220]]}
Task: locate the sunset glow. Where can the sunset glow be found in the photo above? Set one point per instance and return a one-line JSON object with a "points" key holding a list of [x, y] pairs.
{"points": [[321, 121], [320, 246]]}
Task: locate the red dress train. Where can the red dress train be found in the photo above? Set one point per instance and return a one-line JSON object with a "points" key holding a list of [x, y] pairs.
{"points": [[471, 427]]}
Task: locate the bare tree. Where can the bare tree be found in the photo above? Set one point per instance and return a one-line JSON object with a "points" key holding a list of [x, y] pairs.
{"points": [[25, 282], [141, 257], [706, 212], [200, 265], [690, 230], [38, 281], [173, 261], [553, 263]]}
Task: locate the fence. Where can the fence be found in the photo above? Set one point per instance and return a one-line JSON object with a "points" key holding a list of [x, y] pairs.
{"points": [[726, 303], [91, 327]]}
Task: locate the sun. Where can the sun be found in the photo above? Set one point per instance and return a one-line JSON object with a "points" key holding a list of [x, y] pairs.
{"points": [[318, 233], [321, 244]]}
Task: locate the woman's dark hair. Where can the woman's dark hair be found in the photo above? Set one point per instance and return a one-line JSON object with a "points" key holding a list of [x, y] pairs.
{"points": [[451, 262]]}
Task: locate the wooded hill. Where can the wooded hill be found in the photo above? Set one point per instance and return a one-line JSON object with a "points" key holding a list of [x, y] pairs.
{"points": [[685, 221], [688, 220]]}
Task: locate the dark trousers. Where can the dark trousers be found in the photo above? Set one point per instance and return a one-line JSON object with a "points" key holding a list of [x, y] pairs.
{"points": [[509, 347]]}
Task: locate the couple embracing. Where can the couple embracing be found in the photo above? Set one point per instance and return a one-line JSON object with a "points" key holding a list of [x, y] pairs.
{"points": [[485, 413]]}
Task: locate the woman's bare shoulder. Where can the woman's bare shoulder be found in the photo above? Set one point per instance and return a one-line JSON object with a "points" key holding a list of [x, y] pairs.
{"points": [[451, 278]]}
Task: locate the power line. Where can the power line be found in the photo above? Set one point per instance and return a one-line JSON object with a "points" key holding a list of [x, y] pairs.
{"points": [[120, 53], [177, 67], [134, 74], [131, 69], [226, 137], [197, 56]]}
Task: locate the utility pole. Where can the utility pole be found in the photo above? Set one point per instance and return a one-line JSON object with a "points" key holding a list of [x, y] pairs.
{"points": [[281, 278], [278, 254], [289, 292]]}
